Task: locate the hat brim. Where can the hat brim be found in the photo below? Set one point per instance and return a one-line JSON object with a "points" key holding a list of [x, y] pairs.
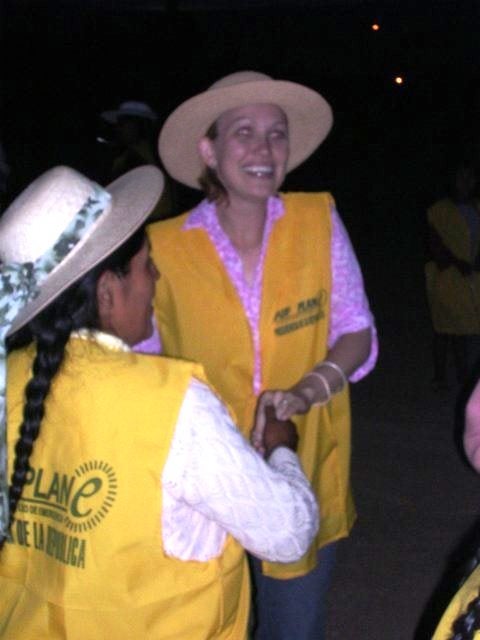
{"points": [[113, 116], [309, 118], [134, 196]]}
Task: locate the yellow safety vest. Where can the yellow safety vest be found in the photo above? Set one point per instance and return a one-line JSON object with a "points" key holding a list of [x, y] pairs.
{"points": [[458, 606], [201, 318], [86, 560], [454, 299]]}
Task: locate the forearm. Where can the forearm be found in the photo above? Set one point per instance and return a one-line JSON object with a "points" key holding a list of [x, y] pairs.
{"points": [[442, 255], [287, 519], [351, 350], [268, 507], [330, 375]]}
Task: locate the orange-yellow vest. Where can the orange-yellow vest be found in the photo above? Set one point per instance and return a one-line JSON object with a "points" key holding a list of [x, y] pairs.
{"points": [[201, 318], [458, 606], [86, 558], [454, 298]]}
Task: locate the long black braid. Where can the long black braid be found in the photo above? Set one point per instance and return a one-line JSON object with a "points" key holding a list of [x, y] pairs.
{"points": [[75, 308]]}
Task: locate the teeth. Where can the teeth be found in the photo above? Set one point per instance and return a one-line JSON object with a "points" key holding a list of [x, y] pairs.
{"points": [[259, 171]]}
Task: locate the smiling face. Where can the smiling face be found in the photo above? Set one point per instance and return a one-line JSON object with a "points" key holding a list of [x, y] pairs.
{"points": [[250, 151], [125, 301]]}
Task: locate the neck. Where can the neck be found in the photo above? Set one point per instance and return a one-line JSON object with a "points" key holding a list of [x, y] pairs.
{"points": [[243, 223]]}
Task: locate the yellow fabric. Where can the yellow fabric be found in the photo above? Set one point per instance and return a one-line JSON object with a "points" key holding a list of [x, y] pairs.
{"points": [[454, 299], [201, 318], [458, 606], [86, 560]]}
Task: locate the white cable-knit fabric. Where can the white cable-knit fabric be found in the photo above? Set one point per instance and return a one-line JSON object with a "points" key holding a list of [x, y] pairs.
{"points": [[214, 483]]}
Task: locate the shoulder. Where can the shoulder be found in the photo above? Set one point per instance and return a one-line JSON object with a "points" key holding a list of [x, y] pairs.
{"points": [[308, 200], [89, 360], [311, 210], [165, 228], [20, 361]]}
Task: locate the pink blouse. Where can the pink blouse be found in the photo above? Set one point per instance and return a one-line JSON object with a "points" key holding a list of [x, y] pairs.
{"points": [[349, 311], [471, 436]]}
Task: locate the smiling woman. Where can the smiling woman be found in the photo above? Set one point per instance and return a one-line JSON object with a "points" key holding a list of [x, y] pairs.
{"points": [[249, 152], [264, 290]]}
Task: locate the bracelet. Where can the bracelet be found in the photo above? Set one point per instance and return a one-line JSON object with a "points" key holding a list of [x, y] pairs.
{"points": [[325, 384], [338, 369]]}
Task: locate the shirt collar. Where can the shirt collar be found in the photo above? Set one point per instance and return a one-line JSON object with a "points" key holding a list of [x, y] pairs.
{"points": [[104, 339], [204, 215]]}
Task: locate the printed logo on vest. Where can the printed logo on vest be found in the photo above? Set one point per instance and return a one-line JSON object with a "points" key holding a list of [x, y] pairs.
{"points": [[303, 314], [74, 504]]}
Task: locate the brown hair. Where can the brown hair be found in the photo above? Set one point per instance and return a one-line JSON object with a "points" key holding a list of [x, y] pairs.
{"points": [[209, 181]]}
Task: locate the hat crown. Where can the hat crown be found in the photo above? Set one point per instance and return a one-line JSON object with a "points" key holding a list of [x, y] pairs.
{"points": [[133, 106], [239, 77], [32, 224], [130, 108]]}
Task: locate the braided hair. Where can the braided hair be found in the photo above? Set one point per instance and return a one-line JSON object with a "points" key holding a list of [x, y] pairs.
{"points": [[76, 308]]}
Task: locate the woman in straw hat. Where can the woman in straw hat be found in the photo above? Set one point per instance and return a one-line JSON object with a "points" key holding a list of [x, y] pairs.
{"points": [[113, 524], [264, 290]]}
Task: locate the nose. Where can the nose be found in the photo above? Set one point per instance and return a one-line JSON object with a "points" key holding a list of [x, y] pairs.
{"points": [[262, 145]]}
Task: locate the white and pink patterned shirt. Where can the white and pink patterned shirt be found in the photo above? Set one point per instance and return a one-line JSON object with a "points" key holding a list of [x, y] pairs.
{"points": [[214, 483], [349, 310]]}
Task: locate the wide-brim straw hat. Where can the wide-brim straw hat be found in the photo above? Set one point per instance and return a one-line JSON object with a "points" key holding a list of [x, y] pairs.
{"points": [[36, 219], [131, 109], [309, 120]]}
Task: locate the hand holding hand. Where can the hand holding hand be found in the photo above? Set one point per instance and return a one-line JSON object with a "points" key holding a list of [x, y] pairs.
{"points": [[285, 404], [278, 433]]}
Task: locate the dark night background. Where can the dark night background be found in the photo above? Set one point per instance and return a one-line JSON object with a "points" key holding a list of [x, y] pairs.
{"points": [[65, 61]]}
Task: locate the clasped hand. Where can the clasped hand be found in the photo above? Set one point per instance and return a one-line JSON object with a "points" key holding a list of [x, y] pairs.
{"points": [[281, 405]]}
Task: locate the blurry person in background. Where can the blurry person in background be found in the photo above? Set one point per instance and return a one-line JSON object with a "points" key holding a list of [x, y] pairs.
{"points": [[133, 142], [453, 276]]}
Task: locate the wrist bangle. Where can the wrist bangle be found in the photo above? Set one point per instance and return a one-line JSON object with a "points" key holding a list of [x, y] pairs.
{"points": [[338, 369], [324, 381]]}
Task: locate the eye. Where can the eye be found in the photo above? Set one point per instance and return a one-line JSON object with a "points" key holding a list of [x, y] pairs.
{"points": [[279, 134], [243, 132]]}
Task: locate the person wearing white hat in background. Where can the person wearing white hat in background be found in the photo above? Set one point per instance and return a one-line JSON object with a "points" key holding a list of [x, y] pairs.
{"points": [[134, 126], [113, 524], [264, 290]]}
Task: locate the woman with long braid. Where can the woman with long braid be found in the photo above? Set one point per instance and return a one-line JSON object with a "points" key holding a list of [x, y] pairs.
{"points": [[128, 505]]}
